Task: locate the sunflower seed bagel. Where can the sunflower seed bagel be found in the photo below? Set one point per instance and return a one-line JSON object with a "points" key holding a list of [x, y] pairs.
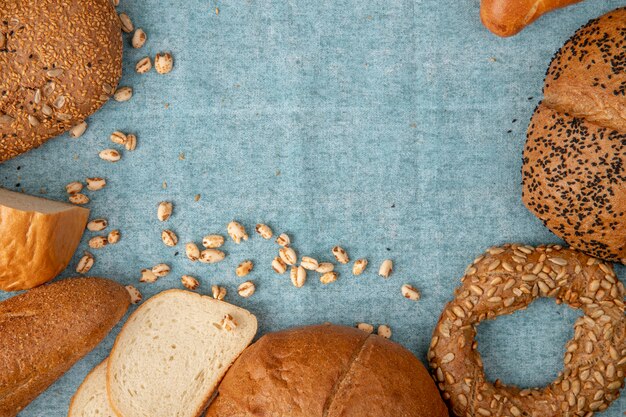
{"points": [[60, 61], [506, 279]]}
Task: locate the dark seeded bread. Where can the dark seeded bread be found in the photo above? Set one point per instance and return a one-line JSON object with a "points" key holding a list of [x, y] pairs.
{"points": [[45, 331], [63, 52], [327, 371], [574, 177], [587, 77], [573, 167]]}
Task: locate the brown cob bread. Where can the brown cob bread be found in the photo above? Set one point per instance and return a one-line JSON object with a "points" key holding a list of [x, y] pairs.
{"points": [[328, 371]]}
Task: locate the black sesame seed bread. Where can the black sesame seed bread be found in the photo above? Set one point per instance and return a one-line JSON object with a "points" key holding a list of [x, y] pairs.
{"points": [[587, 76], [574, 161], [60, 61]]}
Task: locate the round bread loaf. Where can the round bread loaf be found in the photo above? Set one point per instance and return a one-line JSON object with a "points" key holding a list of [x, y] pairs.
{"points": [[574, 163], [329, 371], [60, 61]]}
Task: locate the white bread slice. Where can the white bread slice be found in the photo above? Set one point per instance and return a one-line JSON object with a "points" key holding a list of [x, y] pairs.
{"points": [[171, 354], [38, 238], [91, 399]]}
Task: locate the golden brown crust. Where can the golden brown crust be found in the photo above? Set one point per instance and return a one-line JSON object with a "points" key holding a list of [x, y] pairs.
{"points": [[63, 52], [587, 76], [573, 167], [385, 379], [507, 279], [327, 371], [37, 246], [508, 17], [46, 330]]}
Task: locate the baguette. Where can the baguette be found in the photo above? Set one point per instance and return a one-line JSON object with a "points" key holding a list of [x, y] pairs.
{"points": [[46, 330]]}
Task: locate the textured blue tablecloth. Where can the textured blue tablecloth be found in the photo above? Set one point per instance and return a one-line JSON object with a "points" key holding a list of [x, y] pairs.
{"points": [[394, 128]]}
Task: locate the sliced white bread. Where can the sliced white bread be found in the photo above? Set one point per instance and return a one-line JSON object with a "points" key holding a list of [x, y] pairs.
{"points": [[91, 399], [172, 352]]}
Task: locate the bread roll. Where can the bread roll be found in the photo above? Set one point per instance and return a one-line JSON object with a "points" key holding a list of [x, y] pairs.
{"points": [[60, 61], [508, 17], [37, 238], [574, 161], [46, 330], [328, 371], [172, 352]]}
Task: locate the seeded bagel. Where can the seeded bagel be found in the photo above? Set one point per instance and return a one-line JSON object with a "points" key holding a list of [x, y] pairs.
{"points": [[574, 161], [60, 62], [507, 279]]}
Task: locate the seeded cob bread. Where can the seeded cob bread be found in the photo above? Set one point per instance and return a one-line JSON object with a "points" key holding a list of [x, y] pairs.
{"points": [[508, 17], [60, 61], [46, 330], [574, 163], [172, 352], [91, 398], [37, 238], [328, 371]]}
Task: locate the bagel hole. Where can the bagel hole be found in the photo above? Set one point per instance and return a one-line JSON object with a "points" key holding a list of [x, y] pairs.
{"points": [[526, 348]]}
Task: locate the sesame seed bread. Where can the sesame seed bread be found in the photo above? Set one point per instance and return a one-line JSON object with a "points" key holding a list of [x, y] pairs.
{"points": [[91, 398], [574, 163], [38, 238], [508, 17], [326, 371], [172, 352], [60, 61], [44, 331]]}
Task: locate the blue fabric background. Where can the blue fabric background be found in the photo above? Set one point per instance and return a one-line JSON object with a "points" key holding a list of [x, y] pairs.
{"points": [[394, 128]]}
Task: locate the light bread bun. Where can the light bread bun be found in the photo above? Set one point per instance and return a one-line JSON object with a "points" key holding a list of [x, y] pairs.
{"points": [[508, 17], [91, 398], [60, 61], [37, 238], [45, 331], [172, 352], [574, 163], [327, 371]]}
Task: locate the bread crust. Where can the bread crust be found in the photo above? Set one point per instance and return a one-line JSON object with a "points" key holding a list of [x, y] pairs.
{"points": [[37, 246], [573, 172], [587, 76], [70, 411], [45, 331], [509, 278], [329, 371], [51, 49], [508, 17]]}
